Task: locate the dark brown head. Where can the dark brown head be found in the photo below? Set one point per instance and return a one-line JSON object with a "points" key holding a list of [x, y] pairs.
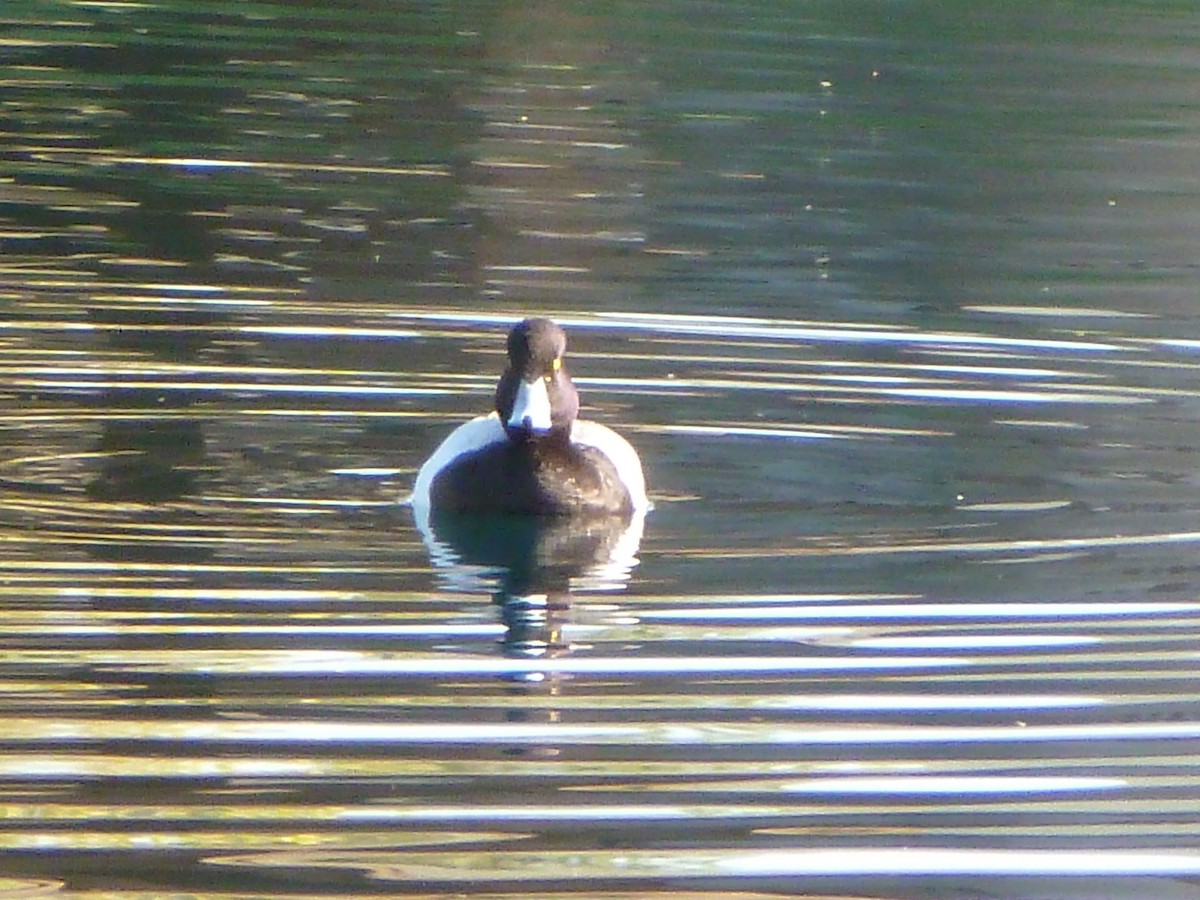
{"points": [[535, 397]]}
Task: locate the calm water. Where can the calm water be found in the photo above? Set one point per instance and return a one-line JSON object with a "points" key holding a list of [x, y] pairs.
{"points": [[897, 300]]}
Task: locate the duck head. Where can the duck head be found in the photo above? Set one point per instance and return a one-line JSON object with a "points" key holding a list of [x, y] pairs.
{"points": [[535, 398]]}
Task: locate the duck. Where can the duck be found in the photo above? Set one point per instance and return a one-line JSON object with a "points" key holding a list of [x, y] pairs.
{"points": [[533, 455]]}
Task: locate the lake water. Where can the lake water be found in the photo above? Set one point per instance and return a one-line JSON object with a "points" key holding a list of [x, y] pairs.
{"points": [[898, 302]]}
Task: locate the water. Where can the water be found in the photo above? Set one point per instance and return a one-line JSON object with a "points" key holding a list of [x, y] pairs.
{"points": [[896, 301]]}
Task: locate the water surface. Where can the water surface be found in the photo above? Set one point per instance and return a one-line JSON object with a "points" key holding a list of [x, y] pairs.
{"points": [[896, 301]]}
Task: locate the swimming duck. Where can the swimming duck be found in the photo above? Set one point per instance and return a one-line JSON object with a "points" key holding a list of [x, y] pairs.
{"points": [[533, 455]]}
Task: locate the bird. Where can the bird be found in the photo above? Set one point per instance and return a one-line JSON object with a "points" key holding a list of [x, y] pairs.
{"points": [[533, 455]]}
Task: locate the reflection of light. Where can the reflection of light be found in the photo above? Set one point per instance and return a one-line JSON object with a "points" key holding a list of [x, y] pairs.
{"points": [[952, 784], [222, 387], [324, 331], [574, 270], [532, 812], [728, 326], [1041, 545], [72, 766], [922, 611], [956, 861], [989, 396], [175, 370], [905, 783], [1057, 312], [201, 164], [1015, 506], [442, 630], [928, 702], [1043, 423], [707, 665], [488, 867], [792, 598], [737, 326], [974, 641], [742, 431], [34, 730], [867, 385]]}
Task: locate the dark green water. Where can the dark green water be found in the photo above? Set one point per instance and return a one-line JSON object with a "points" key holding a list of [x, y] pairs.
{"points": [[897, 301]]}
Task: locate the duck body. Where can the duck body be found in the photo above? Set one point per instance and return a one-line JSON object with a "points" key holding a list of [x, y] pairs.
{"points": [[533, 456]]}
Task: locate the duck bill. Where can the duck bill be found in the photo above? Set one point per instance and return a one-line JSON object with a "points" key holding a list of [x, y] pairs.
{"points": [[531, 413]]}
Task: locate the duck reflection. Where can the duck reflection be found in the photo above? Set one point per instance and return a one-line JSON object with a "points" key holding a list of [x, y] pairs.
{"points": [[531, 565]]}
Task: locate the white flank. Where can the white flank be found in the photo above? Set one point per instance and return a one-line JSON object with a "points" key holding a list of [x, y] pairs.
{"points": [[466, 438]]}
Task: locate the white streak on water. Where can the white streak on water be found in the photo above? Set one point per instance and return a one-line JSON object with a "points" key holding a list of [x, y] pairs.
{"points": [[923, 611], [960, 861], [765, 734]]}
